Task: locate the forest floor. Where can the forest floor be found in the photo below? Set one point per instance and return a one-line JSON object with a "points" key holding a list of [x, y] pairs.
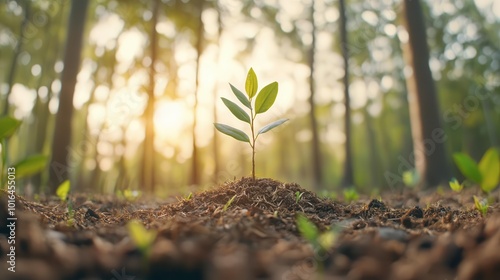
{"points": [[407, 235]]}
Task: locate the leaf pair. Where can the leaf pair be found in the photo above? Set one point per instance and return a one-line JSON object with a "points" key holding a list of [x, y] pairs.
{"points": [[486, 173], [265, 99]]}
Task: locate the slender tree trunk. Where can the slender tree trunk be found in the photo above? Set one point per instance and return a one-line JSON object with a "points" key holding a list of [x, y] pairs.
{"points": [[348, 177], [429, 149], [315, 145], [59, 166], [17, 51], [195, 168], [148, 166], [215, 140]]}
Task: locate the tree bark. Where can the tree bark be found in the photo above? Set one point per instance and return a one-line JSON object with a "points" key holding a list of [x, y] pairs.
{"points": [[429, 149], [59, 165], [148, 165], [315, 144], [195, 171], [348, 177]]}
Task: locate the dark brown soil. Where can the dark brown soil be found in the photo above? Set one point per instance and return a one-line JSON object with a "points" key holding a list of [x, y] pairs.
{"points": [[405, 236]]}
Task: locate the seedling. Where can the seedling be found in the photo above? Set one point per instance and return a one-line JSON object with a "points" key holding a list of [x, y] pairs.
{"points": [[141, 237], [263, 101], [298, 196], [228, 203], [410, 178], [63, 192], [456, 186], [189, 196], [350, 195], [26, 167], [481, 205], [486, 173], [321, 242]]}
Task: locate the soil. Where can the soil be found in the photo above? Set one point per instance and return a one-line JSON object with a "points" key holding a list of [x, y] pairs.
{"points": [[407, 235]]}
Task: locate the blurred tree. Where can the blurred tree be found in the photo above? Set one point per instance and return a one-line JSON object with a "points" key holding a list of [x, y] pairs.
{"points": [[215, 140], [148, 161], [17, 50], [195, 168], [59, 165], [430, 156], [348, 177], [315, 143]]}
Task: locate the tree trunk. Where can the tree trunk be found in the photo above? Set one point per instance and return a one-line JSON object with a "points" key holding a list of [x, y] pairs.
{"points": [[348, 177], [195, 170], [315, 145], [59, 165], [17, 51], [215, 140], [148, 166], [428, 134]]}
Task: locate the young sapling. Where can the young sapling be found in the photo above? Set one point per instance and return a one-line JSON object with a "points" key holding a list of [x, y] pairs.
{"points": [[263, 101], [481, 205], [141, 237], [321, 241], [486, 173], [298, 196], [62, 192], [456, 186]]}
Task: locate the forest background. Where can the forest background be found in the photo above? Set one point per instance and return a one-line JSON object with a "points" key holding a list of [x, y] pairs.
{"points": [[119, 95]]}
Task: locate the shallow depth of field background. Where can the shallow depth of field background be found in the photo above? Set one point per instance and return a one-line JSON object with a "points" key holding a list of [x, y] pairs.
{"points": [[272, 36]]}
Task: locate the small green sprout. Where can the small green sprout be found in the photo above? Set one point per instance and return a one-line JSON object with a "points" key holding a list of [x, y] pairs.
{"points": [[486, 173], [320, 241], [63, 190], [350, 195], [481, 205], [298, 196], [141, 237], [189, 196], [264, 100], [410, 178], [456, 186], [71, 214], [228, 203], [131, 195]]}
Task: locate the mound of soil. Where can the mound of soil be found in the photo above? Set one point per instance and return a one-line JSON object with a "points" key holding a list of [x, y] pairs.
{"points": [[246, 229]]}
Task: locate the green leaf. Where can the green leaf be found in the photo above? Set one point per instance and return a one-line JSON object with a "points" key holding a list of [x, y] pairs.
{"points": [[271, 126], [141, 237], [266, 98], [233, 132], [456, 186], [30, 166], [228, 203], [251, 84], [327, 239], [307, 229], [468, 167], [241, 97], [489, 167], [63, 190], [8, 126], [236, 110]]}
